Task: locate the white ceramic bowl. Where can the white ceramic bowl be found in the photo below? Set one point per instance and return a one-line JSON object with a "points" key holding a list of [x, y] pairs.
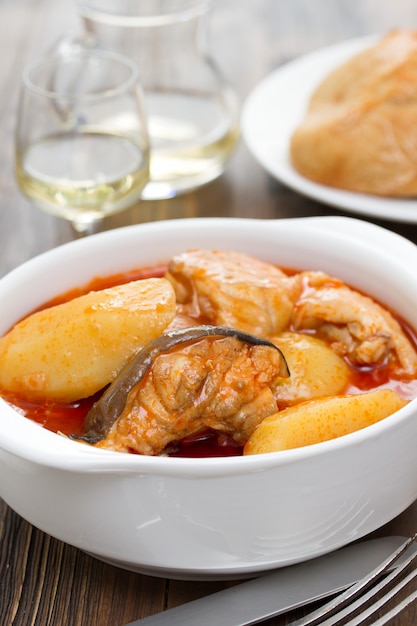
{"points": [[220, 517]]}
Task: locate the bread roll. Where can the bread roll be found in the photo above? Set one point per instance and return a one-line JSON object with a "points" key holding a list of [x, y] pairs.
{"points": [[360, 130]]}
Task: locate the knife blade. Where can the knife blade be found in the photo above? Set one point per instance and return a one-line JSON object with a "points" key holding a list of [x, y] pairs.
{"points": [[281, 590]]}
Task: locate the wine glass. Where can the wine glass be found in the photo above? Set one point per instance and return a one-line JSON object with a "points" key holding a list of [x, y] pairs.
{"points": [[82, 146]]}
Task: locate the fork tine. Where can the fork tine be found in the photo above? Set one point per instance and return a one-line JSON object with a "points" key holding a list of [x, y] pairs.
{"points": [[352, 593], [397, 609], [371, 610]]}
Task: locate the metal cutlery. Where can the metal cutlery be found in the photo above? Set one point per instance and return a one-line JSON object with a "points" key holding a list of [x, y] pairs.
{"points": [[290, 587], [372, 593]]}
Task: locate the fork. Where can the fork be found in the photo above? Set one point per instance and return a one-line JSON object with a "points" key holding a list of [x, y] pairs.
{"points": [[357, 598]]}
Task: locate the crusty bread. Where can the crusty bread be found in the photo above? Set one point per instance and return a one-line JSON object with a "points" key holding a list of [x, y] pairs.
{"points": [[360, 130]]}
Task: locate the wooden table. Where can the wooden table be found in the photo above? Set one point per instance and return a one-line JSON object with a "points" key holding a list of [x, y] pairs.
{"points": [[43, 581]]}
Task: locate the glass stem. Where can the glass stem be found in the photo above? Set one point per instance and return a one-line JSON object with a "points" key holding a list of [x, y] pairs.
{"points": [[84, 229]]}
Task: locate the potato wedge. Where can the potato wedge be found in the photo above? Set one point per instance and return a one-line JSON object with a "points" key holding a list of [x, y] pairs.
{"points": [[72, 350], [316, 370], [322, 419]]}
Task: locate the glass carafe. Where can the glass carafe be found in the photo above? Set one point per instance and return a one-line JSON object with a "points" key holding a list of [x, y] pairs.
{"points": [[192, 112]]}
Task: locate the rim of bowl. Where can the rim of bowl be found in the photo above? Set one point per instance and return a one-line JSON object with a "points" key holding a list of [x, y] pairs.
{"points": [[76, 457]]}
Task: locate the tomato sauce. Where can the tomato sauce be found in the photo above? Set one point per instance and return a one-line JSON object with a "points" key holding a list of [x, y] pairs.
{"points": [[69, 418]]}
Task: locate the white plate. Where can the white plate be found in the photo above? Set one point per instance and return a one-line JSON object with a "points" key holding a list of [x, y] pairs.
{"points": [[275, 108]]}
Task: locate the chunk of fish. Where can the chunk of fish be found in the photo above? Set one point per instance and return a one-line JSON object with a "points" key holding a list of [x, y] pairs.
{"points": [[356, 326], [186, 381], [232, 289]]}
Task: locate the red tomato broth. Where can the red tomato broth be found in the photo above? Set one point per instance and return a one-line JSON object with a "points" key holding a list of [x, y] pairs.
{"points": [[69, 419]]}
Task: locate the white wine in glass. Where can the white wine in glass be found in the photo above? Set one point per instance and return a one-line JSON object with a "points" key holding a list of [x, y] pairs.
{"points": [[82, 147]]}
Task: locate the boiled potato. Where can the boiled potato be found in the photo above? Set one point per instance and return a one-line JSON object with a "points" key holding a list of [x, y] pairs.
{"points": [[72, 350], [316, 370], [322, 419]]}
